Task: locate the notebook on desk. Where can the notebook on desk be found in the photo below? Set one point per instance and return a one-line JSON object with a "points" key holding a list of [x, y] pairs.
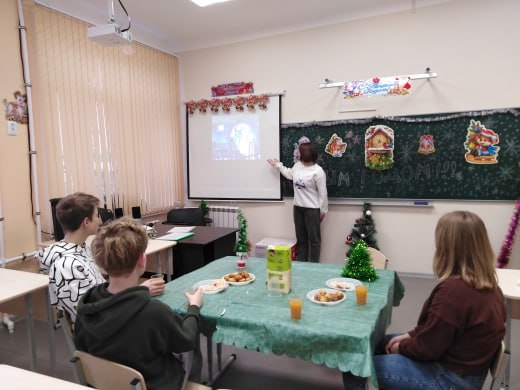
{"points": [[175, 236], [181, 229]]}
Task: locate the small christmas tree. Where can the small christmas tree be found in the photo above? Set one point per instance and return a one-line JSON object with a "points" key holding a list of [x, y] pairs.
{"points": [[364, 229], [242, 244], [359, 265]]}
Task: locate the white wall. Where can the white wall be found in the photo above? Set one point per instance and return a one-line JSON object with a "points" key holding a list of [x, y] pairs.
{"points": [[471, 44]]}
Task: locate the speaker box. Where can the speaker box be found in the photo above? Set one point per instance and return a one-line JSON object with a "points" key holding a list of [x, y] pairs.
{"points": [[58, 230]]}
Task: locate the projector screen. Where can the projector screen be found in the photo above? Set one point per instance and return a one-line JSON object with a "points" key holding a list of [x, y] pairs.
{"points": [[227, 153]]}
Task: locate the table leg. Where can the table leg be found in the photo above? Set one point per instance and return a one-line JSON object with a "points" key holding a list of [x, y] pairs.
{"points": [[209, 346], [52, 333], [221, 369], [30, 330], [159, 263], [169, 264]]}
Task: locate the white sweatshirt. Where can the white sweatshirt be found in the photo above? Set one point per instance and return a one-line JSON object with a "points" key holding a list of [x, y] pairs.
{"points": [[310, 185]]}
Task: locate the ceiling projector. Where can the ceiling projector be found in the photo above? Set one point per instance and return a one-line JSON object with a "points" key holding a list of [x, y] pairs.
{"points": [[109, 35]]}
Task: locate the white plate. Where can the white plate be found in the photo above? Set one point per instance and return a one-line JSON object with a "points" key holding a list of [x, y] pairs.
{"points": [[239, 283], [208, 286], [312, 293], [343, 284]]}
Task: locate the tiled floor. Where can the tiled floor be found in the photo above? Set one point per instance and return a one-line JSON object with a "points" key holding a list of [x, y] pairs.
{"points": [[252, 370]]}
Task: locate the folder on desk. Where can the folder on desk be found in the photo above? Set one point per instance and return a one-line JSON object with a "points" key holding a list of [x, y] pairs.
{"points": [[175, 236]]}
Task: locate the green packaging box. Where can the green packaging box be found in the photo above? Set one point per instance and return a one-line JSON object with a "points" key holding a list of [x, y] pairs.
{"points": [[279, 263]]}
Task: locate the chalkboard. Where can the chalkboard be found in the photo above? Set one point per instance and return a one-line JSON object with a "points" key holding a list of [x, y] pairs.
{"points": [[443, 174]]}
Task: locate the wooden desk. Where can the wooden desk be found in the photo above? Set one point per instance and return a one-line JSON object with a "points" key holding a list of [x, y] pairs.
{"points": [[14, 378], [156, 247], [509, 282], [207, 244], [14, 284]]}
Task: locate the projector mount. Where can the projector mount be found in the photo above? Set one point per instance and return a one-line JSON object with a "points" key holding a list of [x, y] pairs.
{"points": [[111, 34]]}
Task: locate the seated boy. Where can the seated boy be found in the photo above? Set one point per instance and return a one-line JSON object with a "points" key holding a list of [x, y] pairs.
{"points": [[72, 272], [118, 320]]}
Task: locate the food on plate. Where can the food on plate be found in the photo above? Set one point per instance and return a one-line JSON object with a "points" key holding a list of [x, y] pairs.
{"points": [[238, 277], [215, 285], [325, 296], [336, 284]]}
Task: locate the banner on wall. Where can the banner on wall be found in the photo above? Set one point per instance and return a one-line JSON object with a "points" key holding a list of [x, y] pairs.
{"points": [[377, 86]]}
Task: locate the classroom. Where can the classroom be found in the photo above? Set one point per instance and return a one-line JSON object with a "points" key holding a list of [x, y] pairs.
{"points": [[463, 42]]}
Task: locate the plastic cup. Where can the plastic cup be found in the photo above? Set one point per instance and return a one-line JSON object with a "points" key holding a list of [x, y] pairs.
{"points": [[295, 303], [273, 287], [361, 294], [157, 276]]}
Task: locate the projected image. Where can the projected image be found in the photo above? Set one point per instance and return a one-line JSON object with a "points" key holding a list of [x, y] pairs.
{"points": [[235, 137]]}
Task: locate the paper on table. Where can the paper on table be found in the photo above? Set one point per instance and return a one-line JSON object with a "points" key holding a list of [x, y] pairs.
{"points": [[175, 236], [181, 229]]}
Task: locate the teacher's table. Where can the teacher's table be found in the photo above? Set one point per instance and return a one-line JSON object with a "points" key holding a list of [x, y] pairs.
{"points": [[207, 244], [509, 282], [340, 336], [14, 284]]}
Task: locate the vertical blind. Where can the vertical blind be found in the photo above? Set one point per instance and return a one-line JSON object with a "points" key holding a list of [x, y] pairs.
{"points": [[105, 122]]}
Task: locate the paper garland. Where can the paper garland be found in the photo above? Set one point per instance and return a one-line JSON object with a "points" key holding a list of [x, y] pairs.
{"points": [[226, 104]]}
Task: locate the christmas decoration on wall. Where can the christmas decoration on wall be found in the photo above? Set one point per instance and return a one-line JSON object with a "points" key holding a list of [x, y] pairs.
{"points": [[232, 89], [480, 144], [426, 144], [335, 147], [379, 147], [377, 86], [363, 229], [226, 104], [359, 264], [242, 245], [505, 251], [296, 152], [17, 110]]}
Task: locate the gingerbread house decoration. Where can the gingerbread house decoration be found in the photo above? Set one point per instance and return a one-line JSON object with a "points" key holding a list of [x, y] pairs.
{"points": [[379, 147]]}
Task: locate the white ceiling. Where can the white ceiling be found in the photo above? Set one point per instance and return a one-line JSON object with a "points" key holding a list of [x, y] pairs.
{"points": [[175, 26]]}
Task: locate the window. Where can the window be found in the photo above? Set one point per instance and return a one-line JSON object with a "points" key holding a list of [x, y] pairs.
{"points": [[105, 122]]}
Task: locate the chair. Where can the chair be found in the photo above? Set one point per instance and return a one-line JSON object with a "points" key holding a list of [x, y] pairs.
{"points": [[68, 329], [498, 366], [103, 374], [190, 216], [379, 260]]}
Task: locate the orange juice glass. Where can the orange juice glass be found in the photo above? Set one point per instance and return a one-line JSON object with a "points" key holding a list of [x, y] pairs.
{"points": [[295, 303], [361, 294]]}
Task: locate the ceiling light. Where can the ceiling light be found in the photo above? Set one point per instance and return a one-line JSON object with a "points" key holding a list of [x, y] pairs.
{"points": [[204, 3]]}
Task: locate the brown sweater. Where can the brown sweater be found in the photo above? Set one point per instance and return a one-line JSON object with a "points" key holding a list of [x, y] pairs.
{"points": [[459, 326]]}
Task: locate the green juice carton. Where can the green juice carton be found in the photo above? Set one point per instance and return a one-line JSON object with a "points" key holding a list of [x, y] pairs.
{"points": [[279, 262]]}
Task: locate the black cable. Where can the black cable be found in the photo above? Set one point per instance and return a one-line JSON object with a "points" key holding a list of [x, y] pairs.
{"points": [[128, 16]]}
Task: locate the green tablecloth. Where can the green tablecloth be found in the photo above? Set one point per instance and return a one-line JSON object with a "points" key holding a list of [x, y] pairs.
{"points": [[341, 336]]}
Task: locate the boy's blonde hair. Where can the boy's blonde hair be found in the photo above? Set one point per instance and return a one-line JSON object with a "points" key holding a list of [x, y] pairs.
{"points": [[118, 245], [463, 248]]}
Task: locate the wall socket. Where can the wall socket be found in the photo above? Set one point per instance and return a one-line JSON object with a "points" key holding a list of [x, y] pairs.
{"points": [[11, 128]]}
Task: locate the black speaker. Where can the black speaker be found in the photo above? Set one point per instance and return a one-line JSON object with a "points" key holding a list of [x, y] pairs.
{"points": [[58, 230], [136, 212], [118, 212], [105, 214]]}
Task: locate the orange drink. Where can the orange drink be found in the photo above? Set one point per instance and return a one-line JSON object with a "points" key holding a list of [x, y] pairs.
{"points": [[361, 294], [295, 303]]}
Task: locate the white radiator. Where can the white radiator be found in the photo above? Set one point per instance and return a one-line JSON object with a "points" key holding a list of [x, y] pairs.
{"points": [[224, 216]]}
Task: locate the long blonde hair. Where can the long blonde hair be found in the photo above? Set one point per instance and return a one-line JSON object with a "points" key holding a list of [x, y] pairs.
{"points": [[463, 248]]}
